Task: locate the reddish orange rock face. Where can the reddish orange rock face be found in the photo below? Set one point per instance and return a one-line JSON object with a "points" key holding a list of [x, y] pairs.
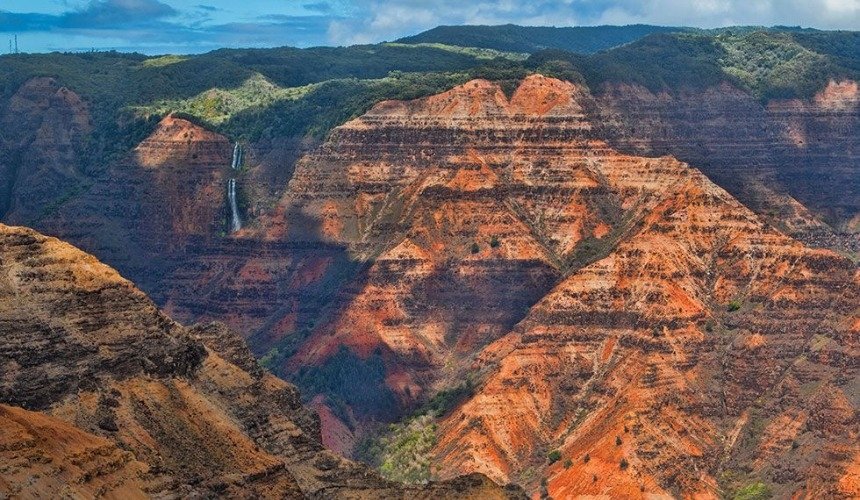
{"points": [[546, 245], [655, 307], [123, 402]]}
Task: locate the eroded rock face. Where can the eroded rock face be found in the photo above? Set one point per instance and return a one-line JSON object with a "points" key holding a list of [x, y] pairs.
{"points": [[695, 324], [44, 128], [675, 312], [191, 412], [530, 242], [46, 457], [793, 162], [141, 213]]}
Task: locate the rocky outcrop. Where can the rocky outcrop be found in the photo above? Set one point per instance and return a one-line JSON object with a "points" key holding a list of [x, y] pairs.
{"points": [[461, 229], [41, 149], [42, 456], [793, 162], [690, 324], [134, 404], [141, 213], [676, 321]]}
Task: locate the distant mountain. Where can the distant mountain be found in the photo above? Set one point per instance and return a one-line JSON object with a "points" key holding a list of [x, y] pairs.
{"points": [[578, 39], [513, 38]]}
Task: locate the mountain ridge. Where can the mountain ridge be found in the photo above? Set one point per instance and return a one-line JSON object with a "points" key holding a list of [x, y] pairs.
{"points": [[133, 403]]}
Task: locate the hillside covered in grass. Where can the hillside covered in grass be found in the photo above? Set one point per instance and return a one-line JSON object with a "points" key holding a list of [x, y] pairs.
{"points": [[253, 93], [530, 39], [769, 64]]}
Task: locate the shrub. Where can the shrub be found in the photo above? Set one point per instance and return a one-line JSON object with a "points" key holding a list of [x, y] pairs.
{"points": [[446, 400], [475, 248], [586, 458], [624, 464], [734, 305], [494, 242], [404, 455], [568, 463], [754, 491], [553, 456], [618, 441]]}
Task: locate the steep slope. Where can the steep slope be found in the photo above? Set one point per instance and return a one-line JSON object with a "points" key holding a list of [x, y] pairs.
{"points": [[141, 212], [697, 339], [110, 372], [459, 231], [677, 314], [44, 456], [792, 161], [44, 126]]}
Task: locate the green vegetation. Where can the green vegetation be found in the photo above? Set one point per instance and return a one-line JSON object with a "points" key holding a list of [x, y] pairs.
{"points": [[753, 491], [529, 39], [775, 65], [347, 380], [568, 463], [160, 62], [476, 52], [618, 441], [734, 306], [446, 400], [216, 106], [403, 453], [553, 456], [624, 464], [768, 63], [475, 248], [494, 242]]}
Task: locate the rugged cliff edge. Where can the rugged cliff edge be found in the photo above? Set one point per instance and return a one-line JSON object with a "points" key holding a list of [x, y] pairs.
{"points": [[605, 304], [104, 395], [793, 162], [661, 328]]}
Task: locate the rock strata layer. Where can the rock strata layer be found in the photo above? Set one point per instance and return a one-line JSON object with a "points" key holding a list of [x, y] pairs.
{"points": [[104, 395]]}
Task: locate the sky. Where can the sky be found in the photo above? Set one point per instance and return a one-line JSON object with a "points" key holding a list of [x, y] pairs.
{"points": [[193, 26]]}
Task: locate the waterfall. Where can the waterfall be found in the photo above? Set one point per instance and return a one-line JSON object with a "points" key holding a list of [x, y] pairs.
{"points": [[237, 156], [235, 221]]}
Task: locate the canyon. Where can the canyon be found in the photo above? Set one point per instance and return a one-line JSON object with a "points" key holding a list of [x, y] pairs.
{"points": [[104, 395], [651, 300], [643, 283]]}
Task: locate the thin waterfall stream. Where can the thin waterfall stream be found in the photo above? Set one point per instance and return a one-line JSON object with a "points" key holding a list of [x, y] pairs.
{"points": [[235, 221]]}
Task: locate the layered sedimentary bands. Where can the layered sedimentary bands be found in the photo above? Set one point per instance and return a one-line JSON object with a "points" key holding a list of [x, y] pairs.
{"points": [[791, 161], [620, 310], [103, 395], [41, 148], [651, 308]]}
